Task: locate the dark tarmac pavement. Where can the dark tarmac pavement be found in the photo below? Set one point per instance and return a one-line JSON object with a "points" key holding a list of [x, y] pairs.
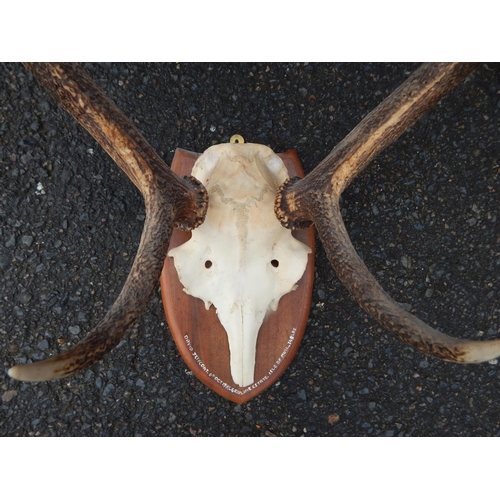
{"points": [[424, 216]]}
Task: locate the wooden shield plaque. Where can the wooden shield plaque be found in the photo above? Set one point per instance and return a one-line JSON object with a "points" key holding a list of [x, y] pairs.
{"points": [[200, 337]]}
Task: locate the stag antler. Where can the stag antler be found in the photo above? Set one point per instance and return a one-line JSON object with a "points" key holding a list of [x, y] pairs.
{"points": [[315, 199], [169, 200]]}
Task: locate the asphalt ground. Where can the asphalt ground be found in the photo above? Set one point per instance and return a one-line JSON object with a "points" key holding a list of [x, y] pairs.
{"points": [[424, 216]]}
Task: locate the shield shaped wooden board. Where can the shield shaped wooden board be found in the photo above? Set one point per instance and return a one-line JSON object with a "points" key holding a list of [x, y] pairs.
{"points": [[200, 337]]}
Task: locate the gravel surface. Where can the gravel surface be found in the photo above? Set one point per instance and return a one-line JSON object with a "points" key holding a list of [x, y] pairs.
{"points": [[424, 216]]}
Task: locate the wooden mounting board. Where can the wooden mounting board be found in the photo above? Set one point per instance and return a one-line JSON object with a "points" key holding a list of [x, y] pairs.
{"points": [[200, 337]]}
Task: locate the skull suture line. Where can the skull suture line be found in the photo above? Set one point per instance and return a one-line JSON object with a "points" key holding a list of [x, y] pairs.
{"points": [[241, 259]]}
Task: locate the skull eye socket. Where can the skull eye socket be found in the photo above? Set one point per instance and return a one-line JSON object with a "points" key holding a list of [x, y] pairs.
{"points": [[208, 264], [275, 263]]}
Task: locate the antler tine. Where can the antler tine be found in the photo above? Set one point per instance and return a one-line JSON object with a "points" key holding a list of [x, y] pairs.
{"points": [[369, 294], [316, 199], [74, 90], [169, 200], [380, 128]]}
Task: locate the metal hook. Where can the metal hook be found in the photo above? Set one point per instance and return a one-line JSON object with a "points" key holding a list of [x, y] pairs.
{"points": [[237, 139]]}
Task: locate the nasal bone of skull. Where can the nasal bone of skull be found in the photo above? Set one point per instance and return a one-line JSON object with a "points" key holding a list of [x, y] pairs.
{"points": [[242, 324]]}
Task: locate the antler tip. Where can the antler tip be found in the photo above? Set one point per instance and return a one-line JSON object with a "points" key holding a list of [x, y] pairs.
{"points": [[34, 372], [15, 372]]}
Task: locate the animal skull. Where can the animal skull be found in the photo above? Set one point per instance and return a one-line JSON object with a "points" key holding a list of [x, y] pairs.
{"points": [[241, 259]]}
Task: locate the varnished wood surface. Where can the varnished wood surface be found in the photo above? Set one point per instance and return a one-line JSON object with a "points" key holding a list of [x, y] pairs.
{"points": [[201, 339]]}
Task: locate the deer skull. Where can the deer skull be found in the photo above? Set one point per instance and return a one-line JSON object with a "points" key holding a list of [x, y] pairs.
{"points": [[241, 259], [238, 245]]}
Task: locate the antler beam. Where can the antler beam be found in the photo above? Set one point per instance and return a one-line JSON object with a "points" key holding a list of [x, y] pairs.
{"points": [[169, 199], [316, 200]]}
